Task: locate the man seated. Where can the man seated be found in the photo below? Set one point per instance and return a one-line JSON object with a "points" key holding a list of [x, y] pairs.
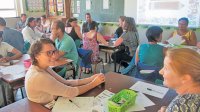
{"points": [[29, 32], [21, 24], [11, 36], [85, 27], [64, 43]]}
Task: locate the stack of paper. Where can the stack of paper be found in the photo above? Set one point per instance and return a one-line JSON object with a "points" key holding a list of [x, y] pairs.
{"points": [[150, 89], [177, 40]]}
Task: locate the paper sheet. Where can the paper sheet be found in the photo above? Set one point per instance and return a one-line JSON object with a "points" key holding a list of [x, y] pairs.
{"points": [[85, 104], [177, 40], [14, 69], [150, 89]]}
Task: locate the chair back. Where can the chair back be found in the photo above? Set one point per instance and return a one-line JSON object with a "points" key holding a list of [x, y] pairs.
{"points": [[152, 76], [85, 56]]}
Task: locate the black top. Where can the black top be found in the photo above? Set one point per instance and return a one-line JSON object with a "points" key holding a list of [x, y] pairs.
{"points": [[73, 34], [119, 32], [86, 27]]}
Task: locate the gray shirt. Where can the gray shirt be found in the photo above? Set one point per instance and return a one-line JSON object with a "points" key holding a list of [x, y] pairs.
{"points": [[14, 38], [131, 39], [20, 25]]}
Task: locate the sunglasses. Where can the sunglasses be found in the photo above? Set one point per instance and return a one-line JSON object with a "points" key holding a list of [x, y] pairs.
{"points": [[51, 52]]}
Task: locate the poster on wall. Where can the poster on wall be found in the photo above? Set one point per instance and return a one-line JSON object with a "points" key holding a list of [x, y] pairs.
{"points": [[88, 4], [35, 5], [72, 6], [51, 8], [60, 7], [105, 4], [78, 7]]}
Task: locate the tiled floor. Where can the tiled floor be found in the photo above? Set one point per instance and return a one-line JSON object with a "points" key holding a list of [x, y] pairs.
{"points": [[108, 67]]}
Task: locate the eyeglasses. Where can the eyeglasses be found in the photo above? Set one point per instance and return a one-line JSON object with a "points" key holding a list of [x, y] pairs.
{"points": [[51, 52]]}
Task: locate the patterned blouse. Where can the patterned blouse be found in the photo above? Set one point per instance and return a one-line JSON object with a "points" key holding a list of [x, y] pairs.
{"points": [[185, 103]]}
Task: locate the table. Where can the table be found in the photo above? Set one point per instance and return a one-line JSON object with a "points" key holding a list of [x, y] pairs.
{"points": [[114, 83], [105, 48], [18, 79]]}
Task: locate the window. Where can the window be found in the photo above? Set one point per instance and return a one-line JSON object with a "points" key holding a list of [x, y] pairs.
{"points": [[8, 9]]}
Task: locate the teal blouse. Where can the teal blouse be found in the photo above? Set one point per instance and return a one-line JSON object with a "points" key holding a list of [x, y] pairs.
{"points": [[151, 54]]}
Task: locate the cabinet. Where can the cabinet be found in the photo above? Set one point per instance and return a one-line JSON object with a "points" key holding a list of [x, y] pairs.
{"points": [[58, 9]]}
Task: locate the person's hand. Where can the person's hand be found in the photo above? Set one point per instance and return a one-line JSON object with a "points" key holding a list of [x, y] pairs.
{"points": [[4, 60], [165, 42], [95, 75], [162, 109], [185, 38], [99, 79], [198, 44]]}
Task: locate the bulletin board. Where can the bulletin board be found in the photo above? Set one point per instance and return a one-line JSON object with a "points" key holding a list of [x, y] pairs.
{"points": [[35, 5]]}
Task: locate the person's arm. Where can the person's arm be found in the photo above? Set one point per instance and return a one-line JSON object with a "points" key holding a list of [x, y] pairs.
{"points": [[118, 41], [17, 54], [193, 39], [73, 83], [136, 55], [164, 51], [52, 86], [162, 109], [198, 45], [78, 31], [101, 39]]}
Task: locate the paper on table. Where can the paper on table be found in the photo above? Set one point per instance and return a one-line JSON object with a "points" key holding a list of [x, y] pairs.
{"points": [[150, 89], [64, 105], [100, 102], [14, 69], [177, 40]]}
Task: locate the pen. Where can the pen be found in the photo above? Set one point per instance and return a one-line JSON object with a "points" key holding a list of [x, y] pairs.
{"points": [[154, 90], [74, 103]]}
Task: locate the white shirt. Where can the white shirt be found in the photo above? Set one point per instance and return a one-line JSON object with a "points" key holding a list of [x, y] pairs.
{"points": [[5, 48], [46, 25], [30, 35]]}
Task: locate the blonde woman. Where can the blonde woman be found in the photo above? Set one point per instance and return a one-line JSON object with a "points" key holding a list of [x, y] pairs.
{"points": [[181, 72]]}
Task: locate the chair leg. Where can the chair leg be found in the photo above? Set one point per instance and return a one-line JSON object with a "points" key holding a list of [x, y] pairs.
{"points": [[95, 68], [80, 75], [103, 66], [106, 56], [22, 93]]}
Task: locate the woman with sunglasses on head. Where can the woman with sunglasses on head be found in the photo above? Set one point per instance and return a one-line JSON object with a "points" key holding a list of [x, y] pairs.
{"points": [[181, 72], [43, 85]]}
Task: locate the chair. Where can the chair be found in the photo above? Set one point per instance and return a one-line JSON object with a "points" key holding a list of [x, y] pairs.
{"points": [[146, 72], [85, 55]]}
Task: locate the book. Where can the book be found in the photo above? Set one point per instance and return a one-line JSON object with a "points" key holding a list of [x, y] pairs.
{"points": [[177, 40]]}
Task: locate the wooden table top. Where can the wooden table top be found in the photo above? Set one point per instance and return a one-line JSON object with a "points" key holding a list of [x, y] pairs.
{"points": [[114, 83]]}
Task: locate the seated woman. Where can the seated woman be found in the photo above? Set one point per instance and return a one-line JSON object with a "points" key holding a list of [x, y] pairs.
{"points": [[150, 56], [119, 30], [74, 30], [5, 48], [90, 42], [188, 35], [43, 85], [181, 73], [129, 38]]}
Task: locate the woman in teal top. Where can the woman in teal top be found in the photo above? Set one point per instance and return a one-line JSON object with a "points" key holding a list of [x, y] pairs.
{"points": [[149, 55]]}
